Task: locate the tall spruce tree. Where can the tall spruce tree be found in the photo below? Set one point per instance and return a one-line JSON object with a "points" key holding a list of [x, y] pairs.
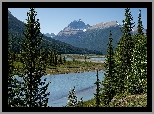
{"points": [[138, 77], [55, 58], [97, 95], [34, 67], [140, 26], [50, 58], [123, 54], [64, 59], [60, 59], [110, 79]]}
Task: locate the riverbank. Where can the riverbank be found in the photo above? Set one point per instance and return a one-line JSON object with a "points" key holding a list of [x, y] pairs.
{"points": [[75, 67], [72, 67]]}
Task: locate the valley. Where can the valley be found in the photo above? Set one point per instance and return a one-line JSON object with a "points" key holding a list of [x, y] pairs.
{"points": [[106, 63]]}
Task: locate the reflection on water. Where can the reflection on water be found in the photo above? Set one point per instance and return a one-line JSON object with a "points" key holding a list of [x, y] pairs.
{"points": [[61, 84]]}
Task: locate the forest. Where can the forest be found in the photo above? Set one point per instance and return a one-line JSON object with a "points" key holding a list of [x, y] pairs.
{"points": [[125, 78]]}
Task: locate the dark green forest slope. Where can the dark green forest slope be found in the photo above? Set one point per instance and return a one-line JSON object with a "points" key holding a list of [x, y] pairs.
{"points": [[16, 28]]}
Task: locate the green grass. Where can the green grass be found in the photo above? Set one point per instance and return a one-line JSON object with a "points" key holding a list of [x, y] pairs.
{"points": [[74, 67], [70, 67], [18, 64], [78, 56]]}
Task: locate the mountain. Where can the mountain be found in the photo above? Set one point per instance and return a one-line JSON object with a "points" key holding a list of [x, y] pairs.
{"points": [[16, 28], [75, 27], [50, 35], [91, 37]]}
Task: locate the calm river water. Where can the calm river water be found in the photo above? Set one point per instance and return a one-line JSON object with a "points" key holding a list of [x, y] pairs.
{"points": [[61, 84]]}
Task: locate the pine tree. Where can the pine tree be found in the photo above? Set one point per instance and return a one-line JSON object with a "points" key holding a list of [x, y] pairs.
{"points": [[34, 67], [13, 83], [51, 58], [140, 26], [123, 54], [80, 103], [60, 60], [138, 77], [72, 98], [97, 95], [110, 79], [55, 57], [138, 82], [64, 59]]}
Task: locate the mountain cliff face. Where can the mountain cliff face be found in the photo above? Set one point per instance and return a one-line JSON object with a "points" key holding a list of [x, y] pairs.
{"points": [[77, 26], [104, 25]]}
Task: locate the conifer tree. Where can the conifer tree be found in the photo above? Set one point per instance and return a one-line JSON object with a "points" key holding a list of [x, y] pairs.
{"points": [[13, 83], [140, 26], [80, 103], [45, 52], [110, 79], [55, 57], [51, 58], [60, 59], [138, 77], [34, 67], [64, 59], [97, 95], [72, 98], [123, 54]]}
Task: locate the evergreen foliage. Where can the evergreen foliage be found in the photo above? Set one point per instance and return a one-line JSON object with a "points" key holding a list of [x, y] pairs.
{"points": [[97, 95], [51, 58], [72, 99], [64, 59], [140, 26], [13, 83], [126, 67], [15, 27], [55, 58], [110, 79], [34, 67], [123, 54], [138, 82], [60, 59]]}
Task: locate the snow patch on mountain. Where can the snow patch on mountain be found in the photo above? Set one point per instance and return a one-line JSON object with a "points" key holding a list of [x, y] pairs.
{"points": [[84, 30]]}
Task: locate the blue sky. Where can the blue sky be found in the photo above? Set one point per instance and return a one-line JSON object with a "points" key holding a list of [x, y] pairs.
{"points": [[52, 20]]}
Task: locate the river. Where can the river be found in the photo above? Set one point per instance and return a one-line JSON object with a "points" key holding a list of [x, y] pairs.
{"points": [[61, 84]]}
